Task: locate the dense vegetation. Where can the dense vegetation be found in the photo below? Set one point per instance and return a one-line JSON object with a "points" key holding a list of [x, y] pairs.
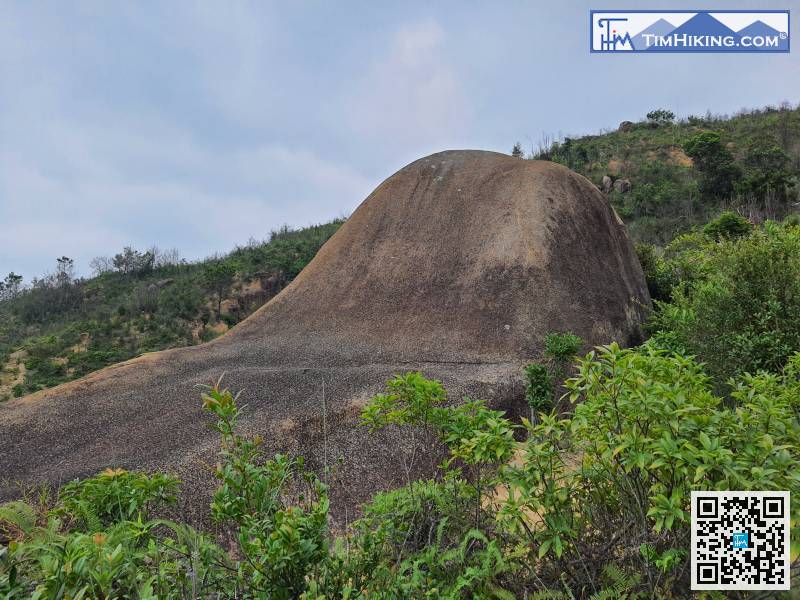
{"points": [[61, 327], [672, 174], [732, 301], [588, 499], [593, 503]]}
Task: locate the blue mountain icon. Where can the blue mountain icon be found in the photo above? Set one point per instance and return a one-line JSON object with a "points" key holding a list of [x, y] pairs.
{"points": [[661, 27], [759, 28], [702, 24]]}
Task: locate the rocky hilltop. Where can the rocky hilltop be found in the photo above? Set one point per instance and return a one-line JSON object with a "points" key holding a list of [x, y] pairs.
{"points": [[457, 265]]}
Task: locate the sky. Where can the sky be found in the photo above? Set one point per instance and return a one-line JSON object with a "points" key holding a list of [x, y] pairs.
{"points": [[200, 125]]}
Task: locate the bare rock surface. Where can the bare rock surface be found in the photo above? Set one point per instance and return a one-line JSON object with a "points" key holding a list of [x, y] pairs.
{"points": [[457, 265]]}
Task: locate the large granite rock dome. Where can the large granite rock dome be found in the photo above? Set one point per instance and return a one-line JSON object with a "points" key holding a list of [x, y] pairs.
{"points": [[457, 265]]}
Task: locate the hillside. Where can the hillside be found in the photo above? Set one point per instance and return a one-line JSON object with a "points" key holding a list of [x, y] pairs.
{"points": [[57, 328], [746, 163], [60, 327]]}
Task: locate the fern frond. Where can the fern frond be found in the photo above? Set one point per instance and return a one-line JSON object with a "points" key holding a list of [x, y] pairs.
{"points": [[17, 515]]}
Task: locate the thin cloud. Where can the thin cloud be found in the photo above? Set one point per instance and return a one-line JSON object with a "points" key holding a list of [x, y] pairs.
{"points": [[412, 94]]}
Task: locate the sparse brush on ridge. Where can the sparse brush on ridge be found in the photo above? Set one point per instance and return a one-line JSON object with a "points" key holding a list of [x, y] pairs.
{"points": [[61, 327], [679, 173]]}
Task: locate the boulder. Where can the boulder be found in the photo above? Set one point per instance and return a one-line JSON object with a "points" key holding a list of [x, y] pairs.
{"points": [[622, 186], [458, 265], [626, 126], [608, 184]]}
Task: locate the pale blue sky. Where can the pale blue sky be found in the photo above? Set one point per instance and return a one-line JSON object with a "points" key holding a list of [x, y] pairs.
{"points": [[199, 125]]}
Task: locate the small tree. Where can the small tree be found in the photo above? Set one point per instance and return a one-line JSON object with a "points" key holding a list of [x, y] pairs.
{"points": [[65, 271], [714, 162], [516, 151], [766, 169], [101, 264], [11, 285], [539, 390], [133, 262], [661, 116], [219, 277]]}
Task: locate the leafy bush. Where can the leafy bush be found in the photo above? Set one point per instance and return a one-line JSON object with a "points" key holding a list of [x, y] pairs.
{"points": [[539, 388], [614, 479], [114, 496], [656, 272], [543, 379], [728, 225], [88, 547], [738, 308], [767, 170], [281, 541], [99, 540], [562, 347]]}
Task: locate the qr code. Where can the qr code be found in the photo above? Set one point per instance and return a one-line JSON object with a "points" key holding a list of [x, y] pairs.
{"points": [[740, 541]]}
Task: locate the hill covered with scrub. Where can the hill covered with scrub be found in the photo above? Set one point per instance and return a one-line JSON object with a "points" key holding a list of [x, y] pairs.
{"points": [[665, 175], [60, 327]]}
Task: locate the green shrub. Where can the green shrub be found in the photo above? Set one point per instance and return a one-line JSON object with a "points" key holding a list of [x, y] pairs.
{"points": [[738, 309], [432, 537], [114, 496], [562, 347], [656, 272], [538, 388], [767, 171], [543, 379], [646, 431], [728, 225], [282, 541]]}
